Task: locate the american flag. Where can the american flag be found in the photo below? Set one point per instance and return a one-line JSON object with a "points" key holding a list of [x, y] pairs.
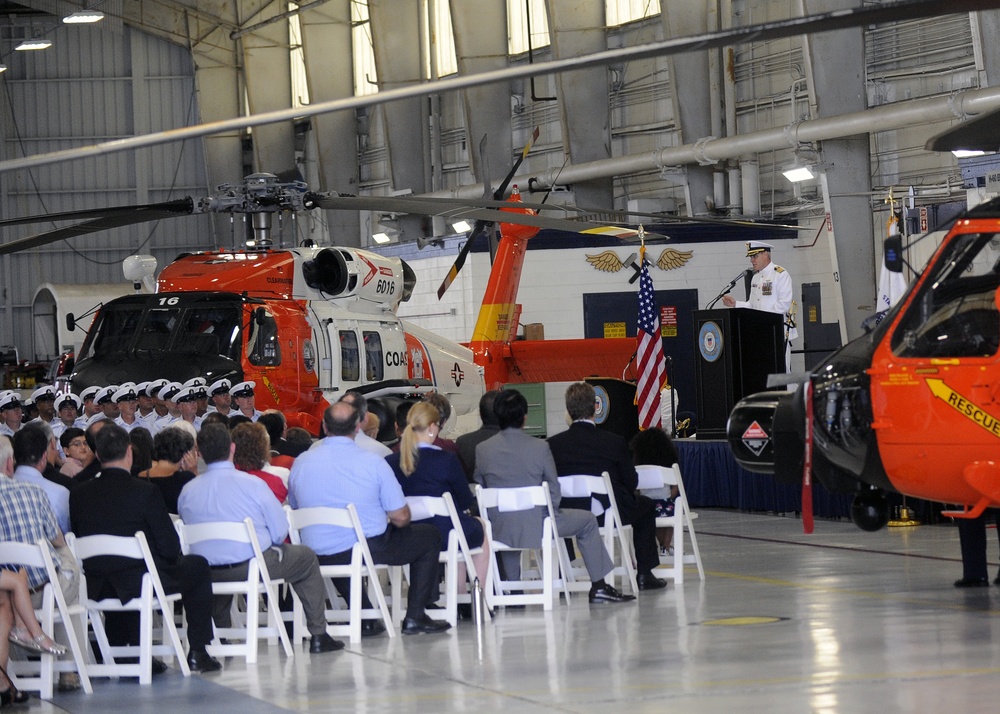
{"points": [[652, 371]]}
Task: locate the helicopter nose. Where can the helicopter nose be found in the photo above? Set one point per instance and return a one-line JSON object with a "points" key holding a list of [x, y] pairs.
{"points": [[870, 511]]}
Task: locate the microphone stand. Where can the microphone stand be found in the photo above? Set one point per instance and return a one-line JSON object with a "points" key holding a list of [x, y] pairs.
{"points": [[728, 288]]}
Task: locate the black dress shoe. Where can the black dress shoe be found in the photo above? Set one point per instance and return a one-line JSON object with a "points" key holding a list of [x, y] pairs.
{"points": [[324, 643], [465, 611], [202, 661], [608, 593], [648, 581], [972, 583], [372, 628], [423, 625], [11, 696], [158, 666]]}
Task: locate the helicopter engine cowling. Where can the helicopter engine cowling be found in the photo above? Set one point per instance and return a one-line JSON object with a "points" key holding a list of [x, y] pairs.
{"points": [[345, 273]]}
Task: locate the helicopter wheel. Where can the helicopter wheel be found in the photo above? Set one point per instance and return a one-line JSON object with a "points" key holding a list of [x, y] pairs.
{"points": [[869, 510]]}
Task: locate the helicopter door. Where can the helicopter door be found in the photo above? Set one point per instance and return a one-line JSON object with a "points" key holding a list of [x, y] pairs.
{"points": [[346, 355]]}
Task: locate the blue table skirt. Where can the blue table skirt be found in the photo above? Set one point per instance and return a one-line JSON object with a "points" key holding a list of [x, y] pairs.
{"points": [[712, 478]]}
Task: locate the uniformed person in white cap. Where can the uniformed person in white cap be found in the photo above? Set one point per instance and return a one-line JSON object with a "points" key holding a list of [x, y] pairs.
{"points": [[166, 395], [45, 401], [770, 291], [68, 408], [242, 394], [10, 412], [219, 398], [104, 399], [187, 400], [128, 404], [144, 402], [159, 406], [90, 407]]}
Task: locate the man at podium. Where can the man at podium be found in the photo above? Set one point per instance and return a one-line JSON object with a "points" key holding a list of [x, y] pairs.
{"points": [[770, 291]]}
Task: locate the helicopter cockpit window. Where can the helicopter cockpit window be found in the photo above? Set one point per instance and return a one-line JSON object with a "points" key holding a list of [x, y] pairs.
{"points": [[156, 329], [955, 313], [373, 356], [211, 331], [350, 362], [263, 349], [118, 326]]}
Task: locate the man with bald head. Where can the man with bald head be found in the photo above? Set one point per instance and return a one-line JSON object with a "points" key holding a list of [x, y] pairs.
{"points": [[337, 472]]}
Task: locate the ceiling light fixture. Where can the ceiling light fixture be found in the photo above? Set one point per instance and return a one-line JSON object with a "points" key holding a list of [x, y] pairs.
{"points": [[461, 226], [83, 16], [381, 238], [795, 174], [33, 45], [966, 153]]}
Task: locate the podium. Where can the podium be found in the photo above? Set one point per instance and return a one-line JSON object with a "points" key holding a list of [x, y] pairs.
{"points": [[735, 350]]}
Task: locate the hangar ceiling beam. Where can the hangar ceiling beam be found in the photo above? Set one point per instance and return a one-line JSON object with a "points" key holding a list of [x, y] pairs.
{"points": [[481, 46], [204, 27], [577, 29], [691, 80], [836, 69], [268, 75], [326, 43], [988, 22], [399, 61]]}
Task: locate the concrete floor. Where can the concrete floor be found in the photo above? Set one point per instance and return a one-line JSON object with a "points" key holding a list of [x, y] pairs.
{"points": [[839, 621]]}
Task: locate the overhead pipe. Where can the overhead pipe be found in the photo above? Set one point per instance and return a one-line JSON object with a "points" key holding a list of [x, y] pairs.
{"points": [[884, 118]]}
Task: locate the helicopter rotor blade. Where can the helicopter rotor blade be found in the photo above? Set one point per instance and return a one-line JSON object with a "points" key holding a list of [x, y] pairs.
{"points": [[180, 205], [460, 260], [482, 224], [118, 219]]}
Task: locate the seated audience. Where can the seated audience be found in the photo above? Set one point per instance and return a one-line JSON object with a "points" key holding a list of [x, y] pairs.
{"points": [[174, 460], [252, 452], [423, 469]]}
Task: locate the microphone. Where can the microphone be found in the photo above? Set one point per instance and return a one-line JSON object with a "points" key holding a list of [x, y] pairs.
{"points": [[732, 283]]}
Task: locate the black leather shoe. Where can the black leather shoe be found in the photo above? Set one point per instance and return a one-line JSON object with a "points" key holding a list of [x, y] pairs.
{"points": [[202, 661], [324, 643], [11, 696], [608, 593], [423, 625], [972, 583], [648, 581], [372, 628], [464, 611], [158, 666]]}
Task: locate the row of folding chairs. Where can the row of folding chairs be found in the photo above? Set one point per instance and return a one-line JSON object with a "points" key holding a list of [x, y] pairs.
{"points": [[546, 572]]}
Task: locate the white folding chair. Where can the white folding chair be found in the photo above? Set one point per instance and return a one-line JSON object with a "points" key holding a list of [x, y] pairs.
{"points": [[152, 599], [362, 566], [617, 536], [40, 675], [423, 507], [550, 572], [258, 582], [661, 478]]}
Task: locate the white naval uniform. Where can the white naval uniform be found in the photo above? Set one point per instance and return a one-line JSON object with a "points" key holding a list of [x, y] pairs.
{"points": [[6, 430], [771, 291], [137, 422]]}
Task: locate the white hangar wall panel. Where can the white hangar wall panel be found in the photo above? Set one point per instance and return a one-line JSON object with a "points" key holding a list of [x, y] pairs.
{"points": [[94, 85]]}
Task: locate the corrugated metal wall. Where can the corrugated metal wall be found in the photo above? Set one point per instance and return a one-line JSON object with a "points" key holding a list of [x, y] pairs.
{"points": [[94, 84]]}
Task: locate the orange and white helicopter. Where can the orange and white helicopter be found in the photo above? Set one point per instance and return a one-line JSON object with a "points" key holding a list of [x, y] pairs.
{"points": [[308, 323], [913, 406]]}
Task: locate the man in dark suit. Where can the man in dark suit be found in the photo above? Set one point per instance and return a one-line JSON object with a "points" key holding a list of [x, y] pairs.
{"points": [[512, 459], [583, 449], [467, 443], [115, 503]]}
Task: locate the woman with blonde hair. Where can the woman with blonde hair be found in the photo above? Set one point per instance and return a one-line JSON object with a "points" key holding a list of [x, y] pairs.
{"points": [[423, 469]]}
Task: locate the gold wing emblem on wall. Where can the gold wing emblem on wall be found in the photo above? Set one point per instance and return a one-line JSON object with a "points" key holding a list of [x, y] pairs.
{"points": [[671, 259], [606, 262]]}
